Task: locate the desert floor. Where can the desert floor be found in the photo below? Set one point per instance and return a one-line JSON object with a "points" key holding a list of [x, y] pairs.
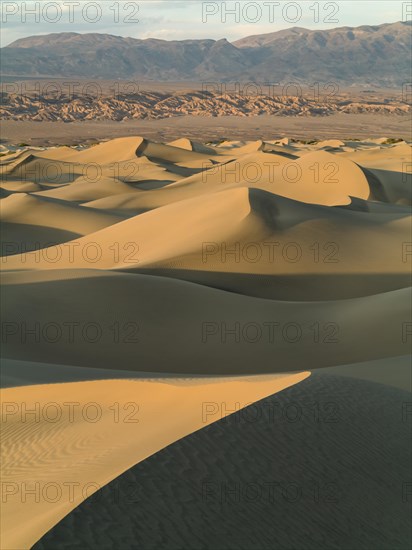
{"points": [[357, 126]]}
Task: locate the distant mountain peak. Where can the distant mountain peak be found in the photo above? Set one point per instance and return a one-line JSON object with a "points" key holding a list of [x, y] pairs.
{"points": [[369, 54]]}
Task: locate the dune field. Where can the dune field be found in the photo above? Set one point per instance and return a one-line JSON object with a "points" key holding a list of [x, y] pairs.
{"points": [[151, 289]]}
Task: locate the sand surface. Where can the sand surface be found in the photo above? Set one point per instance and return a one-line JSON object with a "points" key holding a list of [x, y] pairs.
{"points": [[322, 464], [190, 273], [66, 452]]}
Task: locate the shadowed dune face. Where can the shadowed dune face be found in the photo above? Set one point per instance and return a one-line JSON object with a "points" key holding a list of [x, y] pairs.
{"points": [[306, 468], [193, 268], [86, 451], [95, 318]]}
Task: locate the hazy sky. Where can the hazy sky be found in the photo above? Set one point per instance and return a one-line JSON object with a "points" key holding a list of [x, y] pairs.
{"points": [[180, 19]]}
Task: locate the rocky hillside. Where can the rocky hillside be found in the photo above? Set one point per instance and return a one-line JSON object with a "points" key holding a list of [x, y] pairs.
{"points": [[376, 55], [144, 105]]}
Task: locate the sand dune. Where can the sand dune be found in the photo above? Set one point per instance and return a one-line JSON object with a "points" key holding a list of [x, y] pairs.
{"points": [[247, 232], [250, 480], [191, 145], [162, 261], [81, 318], [35, 222], [67, 460], [117, 150], [280, 220]]}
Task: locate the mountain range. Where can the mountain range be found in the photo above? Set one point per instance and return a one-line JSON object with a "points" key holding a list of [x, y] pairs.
{"points": [[377, 55]]}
